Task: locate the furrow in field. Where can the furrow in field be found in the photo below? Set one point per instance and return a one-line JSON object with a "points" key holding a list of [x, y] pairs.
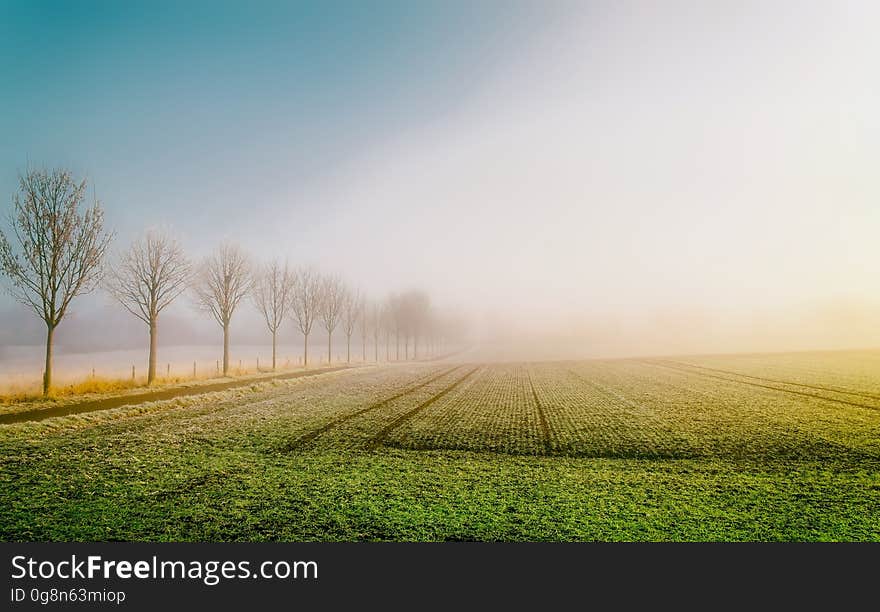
{"points": [[641, 425], [823, 397], [542, 418], [850, 371], [830, 389], [725, 418], [492, 412], [340, 420], [582, 421], [380, 437], [586, 418]]}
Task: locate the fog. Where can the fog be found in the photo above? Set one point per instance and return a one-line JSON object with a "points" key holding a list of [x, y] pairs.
{"points": [[620, 179]]}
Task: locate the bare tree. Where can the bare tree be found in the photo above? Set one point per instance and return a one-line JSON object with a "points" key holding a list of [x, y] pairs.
{"points": [[273, 290], [305, 304], [418, 311], [333, 297], [351, 306], [388, 326], [150, 275], [223, 281], [364, 320], [58, 251], [395, 314], [411, 311], [377, 327]]}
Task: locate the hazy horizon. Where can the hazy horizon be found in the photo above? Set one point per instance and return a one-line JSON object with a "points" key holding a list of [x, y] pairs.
{"points": [[584, 179]]}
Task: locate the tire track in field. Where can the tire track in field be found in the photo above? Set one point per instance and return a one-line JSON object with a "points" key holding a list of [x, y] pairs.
{"points": [[312, 435], [380, 437], [840, 390], [614, 395], [754, 384], [542, 417], [643, 432]]}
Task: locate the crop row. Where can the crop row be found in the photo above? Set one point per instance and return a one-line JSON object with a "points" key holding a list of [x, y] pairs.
{"points": [[494, 412], [368, 420], [714, 417], [856, 371], [632, 409]]}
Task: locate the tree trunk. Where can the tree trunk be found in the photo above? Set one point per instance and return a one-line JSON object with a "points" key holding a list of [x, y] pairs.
{"points": [[376, 347], [225, 349], [348, 354], [306, 351], [406, 347], [329, 347], [154, 349], [365, 349], [47, 373], [397, 342], [274, 334]]}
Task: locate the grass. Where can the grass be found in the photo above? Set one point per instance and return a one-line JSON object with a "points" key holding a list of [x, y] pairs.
{"points": [[17, 399], [93, 385], [636, 451]]}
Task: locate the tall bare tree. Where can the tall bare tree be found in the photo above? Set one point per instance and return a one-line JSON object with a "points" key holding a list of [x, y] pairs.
{"points": [[305, 304], [222, 282], [418, 310], [351, 304], [376, 316], [150, 275], [54, 252], [395, 319], [334, 295], [364, 321], [273, 291], [388, 326]]}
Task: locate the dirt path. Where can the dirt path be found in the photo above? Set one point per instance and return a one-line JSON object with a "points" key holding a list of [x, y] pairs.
{"points": [[107, 403]]}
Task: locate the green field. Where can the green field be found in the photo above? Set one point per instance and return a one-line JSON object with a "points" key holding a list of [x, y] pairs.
{"points": [[747, 447]]}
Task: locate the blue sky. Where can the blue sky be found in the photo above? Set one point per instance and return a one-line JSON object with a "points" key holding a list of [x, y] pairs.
{"points": [[173, 109]]}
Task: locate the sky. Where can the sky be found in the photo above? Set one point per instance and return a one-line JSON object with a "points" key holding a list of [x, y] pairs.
{"points": [[612, 177]]}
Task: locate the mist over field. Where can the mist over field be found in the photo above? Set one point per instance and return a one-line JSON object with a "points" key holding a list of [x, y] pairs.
{"points": [[438, 271], [577, 179]]}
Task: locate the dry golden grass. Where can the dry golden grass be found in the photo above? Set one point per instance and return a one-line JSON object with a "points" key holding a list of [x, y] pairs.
{"points": [[88, 386], [99, 385]]}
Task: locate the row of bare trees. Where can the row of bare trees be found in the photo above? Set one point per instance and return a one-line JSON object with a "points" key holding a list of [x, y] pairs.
{"points": [[55, 251]]}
